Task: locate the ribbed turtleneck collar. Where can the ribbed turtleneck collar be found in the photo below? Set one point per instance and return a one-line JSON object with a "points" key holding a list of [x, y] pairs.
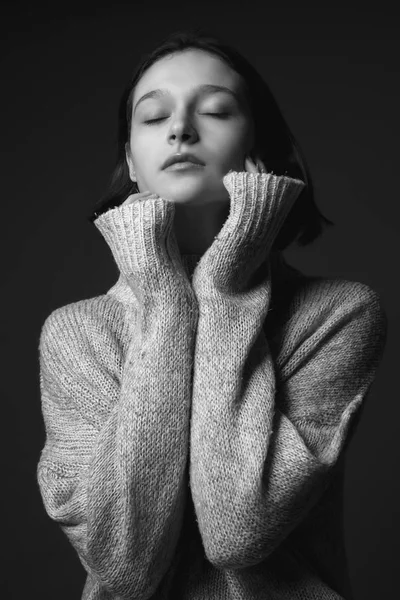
{"points": [[280, 269], [190, 261], [278, 262]]}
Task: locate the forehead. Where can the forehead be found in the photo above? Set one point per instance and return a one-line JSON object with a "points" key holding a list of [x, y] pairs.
{"points": [[187, 69]]}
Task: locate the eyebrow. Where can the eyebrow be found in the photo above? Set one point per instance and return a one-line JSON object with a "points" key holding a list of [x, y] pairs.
{"points": [[204, 88]]}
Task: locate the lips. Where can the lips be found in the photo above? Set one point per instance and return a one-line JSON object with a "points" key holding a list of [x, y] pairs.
{"points": [[186, 157]]}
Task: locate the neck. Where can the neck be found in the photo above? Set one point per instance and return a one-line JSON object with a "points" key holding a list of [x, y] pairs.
{"points": [[196, 226]]}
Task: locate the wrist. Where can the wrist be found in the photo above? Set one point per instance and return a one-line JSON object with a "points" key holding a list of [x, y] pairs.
{"points": [[136, 233], [258, 208]]}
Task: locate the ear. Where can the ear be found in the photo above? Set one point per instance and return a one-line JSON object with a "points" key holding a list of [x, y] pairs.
{"points": [[130, 164]]}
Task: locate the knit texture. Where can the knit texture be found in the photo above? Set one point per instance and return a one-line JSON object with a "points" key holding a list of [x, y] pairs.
{"points": [[197, 414]]}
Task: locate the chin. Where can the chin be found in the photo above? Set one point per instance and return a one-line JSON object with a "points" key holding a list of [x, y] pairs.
{"points": [[196, 190], [185, 192]]}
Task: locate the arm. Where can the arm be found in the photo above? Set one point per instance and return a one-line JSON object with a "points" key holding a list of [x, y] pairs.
{"points": [[112, 472], [261, 457]]}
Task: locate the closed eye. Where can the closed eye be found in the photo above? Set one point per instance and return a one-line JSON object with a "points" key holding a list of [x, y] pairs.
{"points": [[154, 120], [221, 115]]}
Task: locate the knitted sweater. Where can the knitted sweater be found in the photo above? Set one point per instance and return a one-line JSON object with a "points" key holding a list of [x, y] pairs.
{"points": [[197, 413]]}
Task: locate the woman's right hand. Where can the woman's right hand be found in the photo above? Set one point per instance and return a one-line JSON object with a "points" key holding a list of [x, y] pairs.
{"points": [[141, 236], [138, 196]]}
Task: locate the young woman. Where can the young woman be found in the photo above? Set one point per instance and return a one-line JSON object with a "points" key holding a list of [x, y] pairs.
{"points": [[197, 414]]}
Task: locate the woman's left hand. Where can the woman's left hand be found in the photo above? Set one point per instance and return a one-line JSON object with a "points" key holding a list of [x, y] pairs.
{"points": [[254, 167]]}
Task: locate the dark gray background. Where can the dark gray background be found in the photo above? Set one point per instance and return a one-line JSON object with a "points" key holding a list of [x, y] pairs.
{"points": [[335, 74]]}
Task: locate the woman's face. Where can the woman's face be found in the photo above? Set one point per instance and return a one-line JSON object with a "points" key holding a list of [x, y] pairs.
{"points": [[188, 122]]}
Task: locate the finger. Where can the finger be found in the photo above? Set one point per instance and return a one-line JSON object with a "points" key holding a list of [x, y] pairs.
{"points": [[249, 165], [137, 196], [261, 165]]}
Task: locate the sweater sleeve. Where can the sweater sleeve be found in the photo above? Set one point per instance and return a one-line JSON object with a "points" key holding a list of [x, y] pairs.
{"points": [[112, 472], [262, 454]]}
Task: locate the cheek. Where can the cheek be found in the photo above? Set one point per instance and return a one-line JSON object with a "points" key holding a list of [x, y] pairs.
{"points": [[144, 153], [232, 153], [234, 142]]}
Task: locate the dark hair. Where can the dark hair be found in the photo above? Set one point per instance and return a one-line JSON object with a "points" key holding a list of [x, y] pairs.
{"points": [[281, 153]]}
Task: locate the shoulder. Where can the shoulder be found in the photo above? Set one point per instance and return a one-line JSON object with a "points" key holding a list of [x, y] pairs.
{"points": [[81, 353], [351, 309], [91, 326], [318, 296], [344, 300], [318, 311], [100, 313]]}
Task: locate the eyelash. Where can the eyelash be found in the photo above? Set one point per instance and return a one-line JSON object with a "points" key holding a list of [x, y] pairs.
{"points": [[221, 115]]}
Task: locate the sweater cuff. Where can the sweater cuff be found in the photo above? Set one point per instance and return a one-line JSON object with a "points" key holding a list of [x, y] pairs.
{"points": [[137, 233], [259, 204]]}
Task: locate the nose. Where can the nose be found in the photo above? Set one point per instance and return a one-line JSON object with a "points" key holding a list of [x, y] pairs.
{"points": [[182, 129]]}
